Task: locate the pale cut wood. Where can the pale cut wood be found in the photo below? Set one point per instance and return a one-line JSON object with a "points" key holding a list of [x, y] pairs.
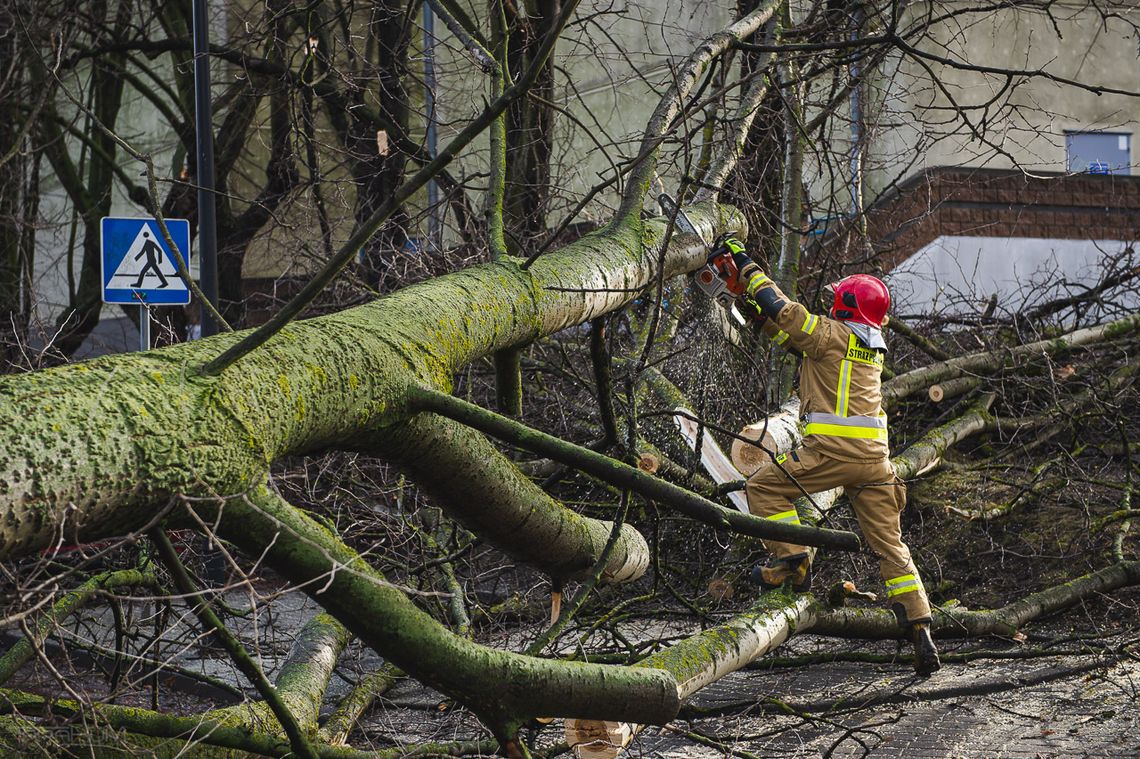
{"points": [[597, 739], [712, 457], [779, 433], [555, 605], [648, 462], [952, 388]]}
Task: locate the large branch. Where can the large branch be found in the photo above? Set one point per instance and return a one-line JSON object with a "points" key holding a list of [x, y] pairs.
{"points": [[626, 476], [989, 361], [732, 146], [501, 687], [133, 731], [925, 453], [301, 682], [482, 489], [1005, 621], [670, 106], [703, 659]]}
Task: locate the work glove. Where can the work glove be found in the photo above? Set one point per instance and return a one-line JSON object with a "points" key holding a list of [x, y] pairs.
{"points": [[750, 309], [745, 266]]}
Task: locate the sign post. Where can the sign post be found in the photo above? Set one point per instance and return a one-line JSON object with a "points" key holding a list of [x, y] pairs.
{"points": [[204, 135], [139, 268], [144, 327]]}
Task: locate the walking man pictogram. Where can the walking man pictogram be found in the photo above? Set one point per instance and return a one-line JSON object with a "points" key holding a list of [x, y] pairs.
{"points": [[153, 253]]}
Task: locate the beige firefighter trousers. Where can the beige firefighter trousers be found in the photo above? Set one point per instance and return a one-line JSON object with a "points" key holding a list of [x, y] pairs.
{"points": [[878, 497]]}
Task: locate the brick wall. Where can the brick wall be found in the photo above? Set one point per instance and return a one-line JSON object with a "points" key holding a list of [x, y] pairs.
{"points": [[993, 203]]}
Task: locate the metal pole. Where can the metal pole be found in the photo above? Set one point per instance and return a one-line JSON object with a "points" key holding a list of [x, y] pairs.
{"points": [[434, 231], [144, 327], [856, 71], [204, 131]]}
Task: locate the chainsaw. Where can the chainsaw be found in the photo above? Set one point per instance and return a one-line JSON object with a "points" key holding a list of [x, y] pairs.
{"points": [[714, 277]]}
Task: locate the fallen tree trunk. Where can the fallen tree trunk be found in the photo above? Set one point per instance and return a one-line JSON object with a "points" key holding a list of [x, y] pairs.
{"points": [[76, 437], [963, 623], [703, 659], [98, 449]]}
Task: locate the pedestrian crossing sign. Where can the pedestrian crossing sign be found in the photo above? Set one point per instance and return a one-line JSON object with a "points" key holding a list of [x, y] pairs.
{"points": [[137, 265]]}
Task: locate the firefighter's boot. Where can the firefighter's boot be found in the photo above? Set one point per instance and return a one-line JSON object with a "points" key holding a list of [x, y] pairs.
{"points": [[925, 654], [795, 569]]}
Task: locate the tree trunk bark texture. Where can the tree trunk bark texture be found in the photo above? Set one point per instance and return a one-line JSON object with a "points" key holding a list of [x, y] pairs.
{"points": [[106, 447]]}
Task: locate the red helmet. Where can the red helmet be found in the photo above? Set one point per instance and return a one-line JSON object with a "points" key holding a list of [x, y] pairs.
{"points": [[860, 298]]}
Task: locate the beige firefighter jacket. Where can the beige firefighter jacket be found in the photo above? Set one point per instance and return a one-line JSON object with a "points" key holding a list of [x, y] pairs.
{"points": [[840, 380]]}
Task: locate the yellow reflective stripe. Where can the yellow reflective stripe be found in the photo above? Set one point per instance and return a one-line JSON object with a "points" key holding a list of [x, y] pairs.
{"points": [[809, 324], [786, 516], [902, 584], [844, 390], [839, 430], [781, 337], [758, 280]]}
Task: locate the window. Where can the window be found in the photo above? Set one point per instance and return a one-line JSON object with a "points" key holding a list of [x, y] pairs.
{"points": [[1099, 152]]}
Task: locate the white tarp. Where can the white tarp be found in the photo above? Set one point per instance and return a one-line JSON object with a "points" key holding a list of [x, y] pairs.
{"points": [[958, 275]]}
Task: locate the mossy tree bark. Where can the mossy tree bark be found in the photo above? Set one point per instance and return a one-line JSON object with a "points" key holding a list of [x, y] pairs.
{"points": [[103, 448], [965, 623], [705, 658], [112, 446]]}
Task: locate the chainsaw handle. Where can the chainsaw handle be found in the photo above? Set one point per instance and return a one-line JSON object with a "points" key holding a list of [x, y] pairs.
{"points": [[725, 267]]}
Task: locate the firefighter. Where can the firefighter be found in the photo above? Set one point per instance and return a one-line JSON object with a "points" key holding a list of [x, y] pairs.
{"points": [[845, 434]]}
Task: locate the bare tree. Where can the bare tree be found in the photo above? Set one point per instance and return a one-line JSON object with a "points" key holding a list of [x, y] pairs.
{"points": [[350, 457]]}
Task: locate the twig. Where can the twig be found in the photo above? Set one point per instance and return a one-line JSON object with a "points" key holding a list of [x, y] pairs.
{"points": [[587, 587], [237, 652], [373, 223], [467, 36]]}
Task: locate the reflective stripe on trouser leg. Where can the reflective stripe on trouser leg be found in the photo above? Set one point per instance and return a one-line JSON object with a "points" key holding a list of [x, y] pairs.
{"points": [[790, 517], [903, 584]]}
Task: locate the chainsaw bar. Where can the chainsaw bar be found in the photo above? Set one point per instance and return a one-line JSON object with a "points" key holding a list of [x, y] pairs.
{"points": [[683, 222], [706, 277]]}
